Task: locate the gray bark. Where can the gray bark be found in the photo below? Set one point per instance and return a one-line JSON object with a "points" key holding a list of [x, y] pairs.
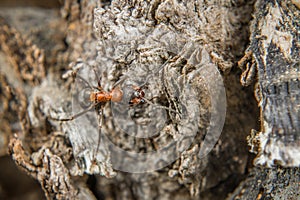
{"points": [[274, 54], [275, 51], [171, 44]]}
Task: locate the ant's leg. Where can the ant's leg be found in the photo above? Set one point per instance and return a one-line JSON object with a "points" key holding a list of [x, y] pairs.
{"points": [[76, 115], [98, 79], [154, 73], [82, 79], [100, 118], [75, 74], [166, 90], [163, 107], [123, 78]]}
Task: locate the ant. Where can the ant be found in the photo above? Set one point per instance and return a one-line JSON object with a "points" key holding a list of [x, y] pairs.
{"points": [[98, 97]]}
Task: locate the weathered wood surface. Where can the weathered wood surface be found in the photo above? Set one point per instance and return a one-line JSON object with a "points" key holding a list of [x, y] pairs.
{"points": [[276, 183], [273, 57], [274, 54], [58, 155]]}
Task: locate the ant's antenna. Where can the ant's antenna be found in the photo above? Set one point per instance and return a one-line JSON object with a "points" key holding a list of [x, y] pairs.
{"points": [[163, 107], [156, 71]]}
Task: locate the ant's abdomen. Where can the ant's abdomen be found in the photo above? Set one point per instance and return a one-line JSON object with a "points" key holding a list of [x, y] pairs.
{"points": [[116, 95]]}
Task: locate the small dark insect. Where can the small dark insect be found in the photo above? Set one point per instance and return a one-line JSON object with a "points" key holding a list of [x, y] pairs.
{"points": [[137, 96]]}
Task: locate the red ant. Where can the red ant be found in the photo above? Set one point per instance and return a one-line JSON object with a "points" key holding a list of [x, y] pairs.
{"points": [[98, 97]]}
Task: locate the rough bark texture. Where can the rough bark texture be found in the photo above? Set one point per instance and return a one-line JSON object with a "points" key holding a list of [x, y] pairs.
{"points": [[273, 55], [275, 51], [276, 183], [128, 40]]}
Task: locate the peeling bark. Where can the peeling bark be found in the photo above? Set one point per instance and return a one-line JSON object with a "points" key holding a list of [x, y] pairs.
{"points": [[273, 56], [171, 45], [274, 53], [276, 183]]}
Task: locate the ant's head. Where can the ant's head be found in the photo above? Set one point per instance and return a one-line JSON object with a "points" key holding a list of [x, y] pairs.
{"points": [[138, 92], [137, 96]]}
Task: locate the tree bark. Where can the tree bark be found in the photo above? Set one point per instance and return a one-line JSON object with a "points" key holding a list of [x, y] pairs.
{"points": [[177, 49], [274, 54]]}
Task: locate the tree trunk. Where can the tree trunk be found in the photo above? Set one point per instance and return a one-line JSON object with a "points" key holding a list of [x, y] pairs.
{"points": [[174, 61]]}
